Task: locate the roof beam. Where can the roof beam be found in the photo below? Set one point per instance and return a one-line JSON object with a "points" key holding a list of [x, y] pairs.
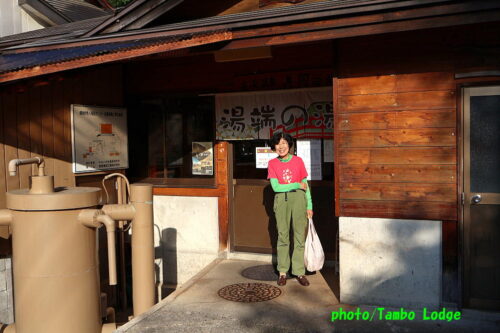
{"points": [[134, 16], [365, 30]]}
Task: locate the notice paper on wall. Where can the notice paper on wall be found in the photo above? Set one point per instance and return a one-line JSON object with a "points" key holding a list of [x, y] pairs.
{"points": [[203, 158], [262, 157], [327, 151], [310, 151], [99, 138]]}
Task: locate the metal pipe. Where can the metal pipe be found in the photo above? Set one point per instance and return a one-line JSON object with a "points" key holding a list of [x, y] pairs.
{"points": [[119, 194], [13, 164], [119, 212], [110, 314], [42, 184], [94, 218], [108, 328], [122, 198], [10, 328], [5, 217], [143, 279], [109, 223]]}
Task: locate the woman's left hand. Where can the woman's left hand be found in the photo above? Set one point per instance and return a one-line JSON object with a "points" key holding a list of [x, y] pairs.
{"points": [[309, 214]]}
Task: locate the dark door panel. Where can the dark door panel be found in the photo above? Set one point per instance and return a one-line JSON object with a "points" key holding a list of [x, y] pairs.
{"points": [[482, 197], [254, 226]]}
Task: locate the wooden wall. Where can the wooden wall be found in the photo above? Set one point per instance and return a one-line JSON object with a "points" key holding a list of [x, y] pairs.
{"points": [[396, 129], [395, 139], [290, 67], [35, 120]]}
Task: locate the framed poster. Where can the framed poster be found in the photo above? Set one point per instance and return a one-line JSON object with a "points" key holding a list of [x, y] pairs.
{"points": [[99, 138], [203, 158]]}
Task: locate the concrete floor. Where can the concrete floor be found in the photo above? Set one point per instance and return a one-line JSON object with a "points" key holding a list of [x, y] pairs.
{"points": [[196, 307]]}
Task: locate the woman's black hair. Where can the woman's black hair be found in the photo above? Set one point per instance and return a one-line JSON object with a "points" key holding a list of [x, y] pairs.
{"points": [[278, 136]]}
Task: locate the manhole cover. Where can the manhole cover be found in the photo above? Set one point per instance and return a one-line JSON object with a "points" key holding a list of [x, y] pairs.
{"points": [[249, 292], [260, 273]]}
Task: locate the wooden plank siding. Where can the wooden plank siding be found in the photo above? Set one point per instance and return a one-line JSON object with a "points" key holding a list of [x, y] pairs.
{"points": [[35, 120], [395, 137]]}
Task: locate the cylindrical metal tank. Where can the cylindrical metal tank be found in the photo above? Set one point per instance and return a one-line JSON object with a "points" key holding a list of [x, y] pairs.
{"points": [[56, 281]]}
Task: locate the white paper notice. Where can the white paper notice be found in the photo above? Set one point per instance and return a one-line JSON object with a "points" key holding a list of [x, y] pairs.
{"points": [[262, 157], [99, 138], [327, 151], [310, 151]]}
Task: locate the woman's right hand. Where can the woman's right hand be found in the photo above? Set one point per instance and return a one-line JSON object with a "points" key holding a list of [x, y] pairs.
{"points": [[303, 186]]}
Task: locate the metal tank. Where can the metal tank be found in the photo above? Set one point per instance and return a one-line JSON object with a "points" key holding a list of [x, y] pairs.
{"points": [[55, 265]]}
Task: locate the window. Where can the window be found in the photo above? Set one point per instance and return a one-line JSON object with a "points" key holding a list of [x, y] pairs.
{"points": [[163, 133], [244, 160]]}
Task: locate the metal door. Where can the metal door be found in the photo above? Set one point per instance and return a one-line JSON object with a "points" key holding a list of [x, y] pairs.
{"points": [[482, 197]]}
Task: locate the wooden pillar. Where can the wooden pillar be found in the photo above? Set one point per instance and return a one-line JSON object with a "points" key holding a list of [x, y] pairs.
{"points": [[223, 179]]}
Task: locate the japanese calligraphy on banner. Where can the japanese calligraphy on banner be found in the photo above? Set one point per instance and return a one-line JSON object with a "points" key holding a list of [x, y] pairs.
{"points": [[304, 113]]}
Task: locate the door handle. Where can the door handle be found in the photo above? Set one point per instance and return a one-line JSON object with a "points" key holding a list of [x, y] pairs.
{"points": [[476, 198]]}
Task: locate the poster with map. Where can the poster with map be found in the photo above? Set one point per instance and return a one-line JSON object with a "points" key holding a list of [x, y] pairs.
{"points": [[99, 138]]}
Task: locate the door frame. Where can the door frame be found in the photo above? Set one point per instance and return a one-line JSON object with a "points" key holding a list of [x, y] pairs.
{"points": [[463, 142]]}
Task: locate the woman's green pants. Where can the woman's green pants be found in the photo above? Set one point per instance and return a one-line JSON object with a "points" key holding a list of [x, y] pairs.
{"points": [[291, 206]]}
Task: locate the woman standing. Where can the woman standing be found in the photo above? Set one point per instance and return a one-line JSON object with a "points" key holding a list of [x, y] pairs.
{"points": [[292, 201]]}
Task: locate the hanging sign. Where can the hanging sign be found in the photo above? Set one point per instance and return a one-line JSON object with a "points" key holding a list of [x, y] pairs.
{"points": [[304, 113], [203, 158], [99, 138], [310, 152], [262, 157]]}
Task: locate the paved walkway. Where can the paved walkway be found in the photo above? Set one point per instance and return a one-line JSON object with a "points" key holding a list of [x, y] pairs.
{"points": [[196, 307]]}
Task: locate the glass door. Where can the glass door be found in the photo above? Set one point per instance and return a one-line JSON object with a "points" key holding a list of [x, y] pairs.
{"points": [[482, 197]]}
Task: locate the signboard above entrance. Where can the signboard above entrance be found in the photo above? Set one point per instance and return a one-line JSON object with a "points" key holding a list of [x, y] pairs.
{"points": [[304, 113]]}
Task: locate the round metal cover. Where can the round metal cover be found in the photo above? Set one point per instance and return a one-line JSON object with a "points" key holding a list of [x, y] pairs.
{"points": [[249, 292], [61, 198], [260, 273]]}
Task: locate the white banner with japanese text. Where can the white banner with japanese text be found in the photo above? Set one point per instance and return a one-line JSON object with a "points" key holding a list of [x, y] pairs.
{"points": [[304, 113]]}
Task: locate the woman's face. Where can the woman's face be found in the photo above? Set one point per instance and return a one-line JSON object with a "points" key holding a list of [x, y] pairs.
{"points": [[282, 148]]}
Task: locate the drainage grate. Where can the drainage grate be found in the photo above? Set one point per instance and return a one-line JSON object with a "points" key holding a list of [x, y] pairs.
{"points": [[260, 273], [249, 292]]}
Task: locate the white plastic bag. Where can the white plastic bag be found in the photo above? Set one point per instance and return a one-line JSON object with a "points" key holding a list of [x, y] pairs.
{"points": [[314, 257]]}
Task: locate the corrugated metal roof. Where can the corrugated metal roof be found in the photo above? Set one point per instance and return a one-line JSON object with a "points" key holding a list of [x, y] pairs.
{"points": [[274, 16], [73, 29], [19, 61], [76, 10], [50, 52], [135, 15]]}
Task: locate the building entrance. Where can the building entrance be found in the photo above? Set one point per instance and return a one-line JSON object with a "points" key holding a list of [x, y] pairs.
{"points": [[482, 197], [253, 223]]}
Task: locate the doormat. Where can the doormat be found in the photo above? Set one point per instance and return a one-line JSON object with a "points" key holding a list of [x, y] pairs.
{"points": [[249, 292], [260, 273]]}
